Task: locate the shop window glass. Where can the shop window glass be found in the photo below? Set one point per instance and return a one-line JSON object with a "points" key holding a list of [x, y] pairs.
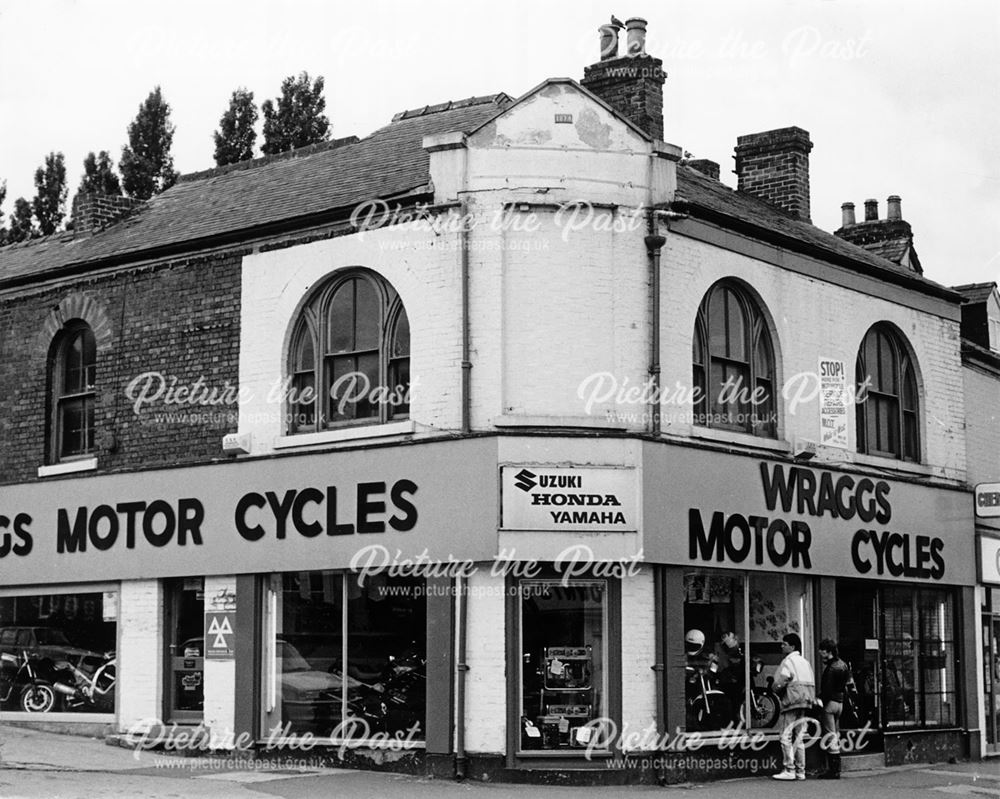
{"points": [[733, 363], [350, 355], [57, 653], [378, 629], [563, 662], [918, 683], [733, 626]]}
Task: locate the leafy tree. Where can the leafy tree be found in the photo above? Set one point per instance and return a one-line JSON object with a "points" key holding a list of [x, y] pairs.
{"points": [[22, 225], [50, 193], [298, 119], [235, 138], [99, 175], [147, 167]]}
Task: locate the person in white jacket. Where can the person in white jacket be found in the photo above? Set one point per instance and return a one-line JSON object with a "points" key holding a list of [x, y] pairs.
{"points": [[795, 684]]}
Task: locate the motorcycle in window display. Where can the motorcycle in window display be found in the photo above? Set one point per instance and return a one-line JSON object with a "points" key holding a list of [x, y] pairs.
{"points": [[22, 682], [707, 705], [397, 699], [764, 703], [87, 683]]}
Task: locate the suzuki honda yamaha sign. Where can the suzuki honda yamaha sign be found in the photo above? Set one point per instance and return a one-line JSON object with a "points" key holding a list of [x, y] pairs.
{"points": [[569, 499]]}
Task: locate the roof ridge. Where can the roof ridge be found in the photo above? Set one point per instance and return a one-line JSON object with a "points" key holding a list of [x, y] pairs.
{"points": [[264, 160], [450, 105]]}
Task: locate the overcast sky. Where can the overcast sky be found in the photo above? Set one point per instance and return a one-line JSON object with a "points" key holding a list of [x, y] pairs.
{"points": [[899, 97]]}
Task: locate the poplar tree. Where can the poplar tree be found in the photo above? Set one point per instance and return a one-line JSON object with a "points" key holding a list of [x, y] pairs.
{"points": [[235, 138], [296, 120], [147, 166], [99, 175], [22, 225], [50, 193]]}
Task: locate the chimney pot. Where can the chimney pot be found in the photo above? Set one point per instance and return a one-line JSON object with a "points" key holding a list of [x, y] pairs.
{"points": [[609, 41], [895, 207], [871, 210], [847, 214], [636, 27]]}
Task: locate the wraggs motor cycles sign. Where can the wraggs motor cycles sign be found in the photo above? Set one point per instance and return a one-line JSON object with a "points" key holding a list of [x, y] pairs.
{"points": [[304, 512], [743, 513], [569, 499]]}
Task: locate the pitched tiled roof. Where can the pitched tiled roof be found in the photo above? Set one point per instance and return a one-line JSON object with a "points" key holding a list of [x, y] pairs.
{"points": [[391, 162], [698, 192], [973, 293]]}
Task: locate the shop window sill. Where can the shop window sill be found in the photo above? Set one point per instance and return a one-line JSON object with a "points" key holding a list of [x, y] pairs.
{"points": [[68, 467], [345, 434], [588, 422]]}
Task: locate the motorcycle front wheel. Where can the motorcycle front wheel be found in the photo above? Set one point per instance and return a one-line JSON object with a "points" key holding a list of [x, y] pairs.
{"points": [[38, 698]]}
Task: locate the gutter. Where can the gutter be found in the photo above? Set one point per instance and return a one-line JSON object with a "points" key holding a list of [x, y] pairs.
{"points": [[654, 242]]}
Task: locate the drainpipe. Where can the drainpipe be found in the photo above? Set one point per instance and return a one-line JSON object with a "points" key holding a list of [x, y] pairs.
{"points": [[466, 363], [653, 245], [461, 762], [658, 666]]}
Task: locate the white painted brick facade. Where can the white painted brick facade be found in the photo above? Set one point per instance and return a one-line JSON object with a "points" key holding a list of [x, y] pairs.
{"points": [[140, 652], [638, 655], [486, 680], [982, 403]]}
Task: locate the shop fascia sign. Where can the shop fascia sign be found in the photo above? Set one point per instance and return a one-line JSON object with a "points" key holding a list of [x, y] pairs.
{"points": [[311, 511], [804, 506], [988, 501], [568, 498]]}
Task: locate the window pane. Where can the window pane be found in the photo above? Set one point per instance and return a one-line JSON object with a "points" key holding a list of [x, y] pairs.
{"points": [[303, 404], [563, 662], [399, 388], [368, 318], [77, 628], [887, 366], [387, 654], [717, 322], [309, 653], [736, 336], [715, 668], [779, 604], [340, 320], [305, 353], [763, 360], [401, 342], [76, 418]]}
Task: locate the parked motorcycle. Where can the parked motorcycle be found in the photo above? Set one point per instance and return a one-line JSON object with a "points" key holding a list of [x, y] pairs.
{"points": [[22, 681], [80, 687], [708, 707]]}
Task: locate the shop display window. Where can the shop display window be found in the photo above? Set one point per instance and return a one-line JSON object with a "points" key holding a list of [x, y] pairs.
{"points": [[563, 662], [918, 683], [57, 652], [733, 626], [348, 660]]}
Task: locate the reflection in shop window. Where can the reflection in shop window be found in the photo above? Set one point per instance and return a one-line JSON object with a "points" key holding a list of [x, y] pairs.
{"points": [[563, 662], [350, 659], [57, 653], [733, 626]]}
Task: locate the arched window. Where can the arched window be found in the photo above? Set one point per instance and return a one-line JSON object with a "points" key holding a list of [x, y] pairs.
{"points": [[349, 360], [887, 408], [73, 379], [733, 363]]}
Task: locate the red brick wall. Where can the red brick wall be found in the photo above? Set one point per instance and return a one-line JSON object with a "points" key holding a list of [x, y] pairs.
{"points": [[180, 318]]}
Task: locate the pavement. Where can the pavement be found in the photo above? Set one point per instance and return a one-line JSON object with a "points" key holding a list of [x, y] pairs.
{"points": [[45, 765]]}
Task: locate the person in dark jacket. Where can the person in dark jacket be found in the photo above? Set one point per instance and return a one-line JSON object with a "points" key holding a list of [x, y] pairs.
{"points": [[832, 686]]}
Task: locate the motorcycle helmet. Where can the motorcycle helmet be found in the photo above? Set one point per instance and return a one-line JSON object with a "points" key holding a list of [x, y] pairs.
{"points": [[694, 641]]}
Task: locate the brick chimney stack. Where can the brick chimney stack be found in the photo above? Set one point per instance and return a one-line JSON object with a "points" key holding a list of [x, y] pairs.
{"points": [[632, 84], [774, 166], [891, 238], [94, 212]]}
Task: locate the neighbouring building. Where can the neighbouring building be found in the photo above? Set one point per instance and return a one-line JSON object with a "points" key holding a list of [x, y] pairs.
{"points": [[503, 433], [981, 384]]}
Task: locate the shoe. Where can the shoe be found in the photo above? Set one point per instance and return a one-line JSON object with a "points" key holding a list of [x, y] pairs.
{"points": [[800, 776], [784, 775]]}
